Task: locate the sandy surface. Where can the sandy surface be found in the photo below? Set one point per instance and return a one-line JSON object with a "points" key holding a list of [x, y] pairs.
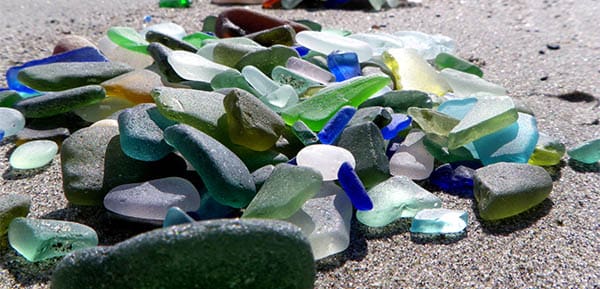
{"points": [[554, 245]]}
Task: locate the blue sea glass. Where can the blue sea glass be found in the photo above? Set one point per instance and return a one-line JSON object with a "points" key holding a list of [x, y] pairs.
{"points": [[292, 161], [176, 216], [334, 127], [455, 178], [1, 134], [514, 143], [302, 51], [457, 108], [399, 123], [332, 4], [354, 188], [393, 145], [343, 65], [85, 54]]}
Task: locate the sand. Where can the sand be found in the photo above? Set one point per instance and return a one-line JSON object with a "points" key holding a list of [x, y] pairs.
{"points": [[554, 245]]}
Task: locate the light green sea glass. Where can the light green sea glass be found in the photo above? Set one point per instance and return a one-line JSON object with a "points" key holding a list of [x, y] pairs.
{"points": [[396, 198], [33, 154], [128, 38], [488, 115], [38, 240], [431, 121], [284, 192], [439, 221], [548, 151], [318, 109]]}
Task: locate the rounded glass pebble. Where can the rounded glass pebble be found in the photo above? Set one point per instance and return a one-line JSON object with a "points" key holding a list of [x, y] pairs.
{"points": [[326, 159], [33, 154], [11, 121]]}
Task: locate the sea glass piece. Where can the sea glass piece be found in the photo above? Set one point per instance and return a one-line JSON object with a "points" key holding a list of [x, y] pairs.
{"points": [[282, 35], [380, 116], [396, 198], [343, 65], [326, 159], [467, 85], [176, 216], [329, 219], [134, 86], [587, 152], [299, 82], [454, 178], [104, 108], [197, 39], [457, 108], [8, 98], [309, 70], [33, 154], [267, 59], [234, 22], [38, 240], [432, 121], [281, 98], [400, 100], [412, 158], [319, 108], [229, 53], [128, 38], [354, 188], [514, 143], [194, 67], [334, 127], [490, 114], [86, 54], [427, 45], [117, 53], [327, 43], [398, 123], [506, 189], [439, 222], [548, 151], [250, 122], [304, 133], [172, 42], [284, 192], [231, 79], [447, 60], [174, 3], [152, 199], [412, 72], [141, 133], [167, 28], [11, 122], [260, 81]]}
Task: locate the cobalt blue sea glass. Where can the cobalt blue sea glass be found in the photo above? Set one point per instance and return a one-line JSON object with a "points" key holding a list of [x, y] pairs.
{"points": [[1, 134], [85, 54], [343, 65], [302, 51], [354, 188], [399, 123], [455, 178], [176, 216], [334, 127]]}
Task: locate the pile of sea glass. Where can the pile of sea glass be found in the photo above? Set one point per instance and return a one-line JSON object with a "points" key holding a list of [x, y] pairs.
{"points": [[261, 123]]}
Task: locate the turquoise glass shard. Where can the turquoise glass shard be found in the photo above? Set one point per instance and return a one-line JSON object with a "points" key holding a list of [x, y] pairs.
{"points": [[488, 115], [514, 143], [439, 221], [176, 216], [457, 108], [37, 240], [587, 152], [86, 54]]}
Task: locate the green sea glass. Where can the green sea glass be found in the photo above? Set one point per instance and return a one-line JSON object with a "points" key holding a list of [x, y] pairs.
{"points": [[37, 240], [587, 152], [318, 109], [548, 151], [33, 154], [128, 38]]}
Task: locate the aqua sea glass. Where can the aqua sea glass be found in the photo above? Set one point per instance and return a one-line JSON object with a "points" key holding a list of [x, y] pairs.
{"points": [[587, 152], [439, 221]]}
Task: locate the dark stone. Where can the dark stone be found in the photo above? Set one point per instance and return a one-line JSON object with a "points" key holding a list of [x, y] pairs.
{"points": [[67, 75], [57, 135], [168, 41], [54, 103], [225, 176], [400, 100], [231, 253]]}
